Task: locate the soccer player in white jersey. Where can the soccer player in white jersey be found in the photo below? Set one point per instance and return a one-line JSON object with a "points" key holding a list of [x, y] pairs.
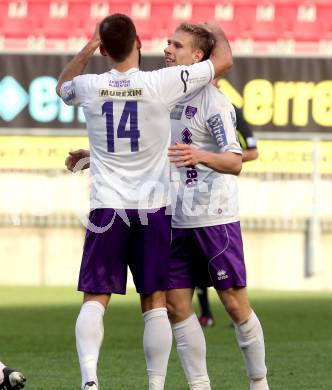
{"points": [[127, 116], [249, 153], [10, 379], [206, 236]]}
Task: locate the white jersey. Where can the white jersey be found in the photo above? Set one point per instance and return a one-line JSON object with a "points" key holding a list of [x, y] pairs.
{"points": [[127, 117], [201, 196]]}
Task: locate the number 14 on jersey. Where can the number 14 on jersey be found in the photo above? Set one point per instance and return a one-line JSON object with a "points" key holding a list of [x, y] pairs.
{"points": [[129, 113]]}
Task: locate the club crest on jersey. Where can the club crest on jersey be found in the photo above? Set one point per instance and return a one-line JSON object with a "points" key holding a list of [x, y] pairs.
{"points": [[186, 136], [177, 111], [217, 128], [190, 112]]}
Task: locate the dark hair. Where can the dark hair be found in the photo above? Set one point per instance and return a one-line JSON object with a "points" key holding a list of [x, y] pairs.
{"points": [[202, 39], [118, 34]]}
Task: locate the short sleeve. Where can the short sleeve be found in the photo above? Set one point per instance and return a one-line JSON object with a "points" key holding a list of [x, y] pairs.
{"points": [[221, 124], [73, 92], [173, 83]]}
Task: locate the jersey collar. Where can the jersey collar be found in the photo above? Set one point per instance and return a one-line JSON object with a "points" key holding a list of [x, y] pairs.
{"points": [[128, 72]]}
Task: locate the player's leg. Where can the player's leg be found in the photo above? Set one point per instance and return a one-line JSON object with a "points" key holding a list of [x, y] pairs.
{"points": [[149, 264], [206, 318], [157, 338], [189, 337], [179, 304], [235, 301], [11, 378], [188, 334], [103, 272], [227, 270], [89, 333], [249, 334]]}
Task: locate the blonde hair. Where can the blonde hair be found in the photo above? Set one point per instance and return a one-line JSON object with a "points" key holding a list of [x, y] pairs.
{"points": [[202, 39]]}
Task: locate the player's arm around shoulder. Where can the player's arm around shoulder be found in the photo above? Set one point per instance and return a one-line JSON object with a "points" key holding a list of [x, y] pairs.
{"points": [[221, 55], [171, 84]]}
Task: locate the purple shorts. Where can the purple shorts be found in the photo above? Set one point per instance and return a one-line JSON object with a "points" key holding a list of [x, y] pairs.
{"points": [[207, 256], [145, 248]]}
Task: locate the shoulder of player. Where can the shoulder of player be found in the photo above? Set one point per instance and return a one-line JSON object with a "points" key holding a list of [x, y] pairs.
{"points": [[219, 95], [214, 96], [171, 70], [89, 78]]}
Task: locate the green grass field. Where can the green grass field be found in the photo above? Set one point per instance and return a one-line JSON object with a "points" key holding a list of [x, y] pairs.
{"points": [[37, 336]]}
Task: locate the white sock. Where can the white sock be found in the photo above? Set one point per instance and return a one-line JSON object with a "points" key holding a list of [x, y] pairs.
{"points": [[250, 338], [89, 336], [157, 342], [259, 385], [2, 366], [156, 382], [200, 384], [191, 347]]}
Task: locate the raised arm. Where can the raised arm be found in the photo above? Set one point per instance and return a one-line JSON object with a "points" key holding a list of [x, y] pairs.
{"points": [[76, 66], [221, 55]]}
